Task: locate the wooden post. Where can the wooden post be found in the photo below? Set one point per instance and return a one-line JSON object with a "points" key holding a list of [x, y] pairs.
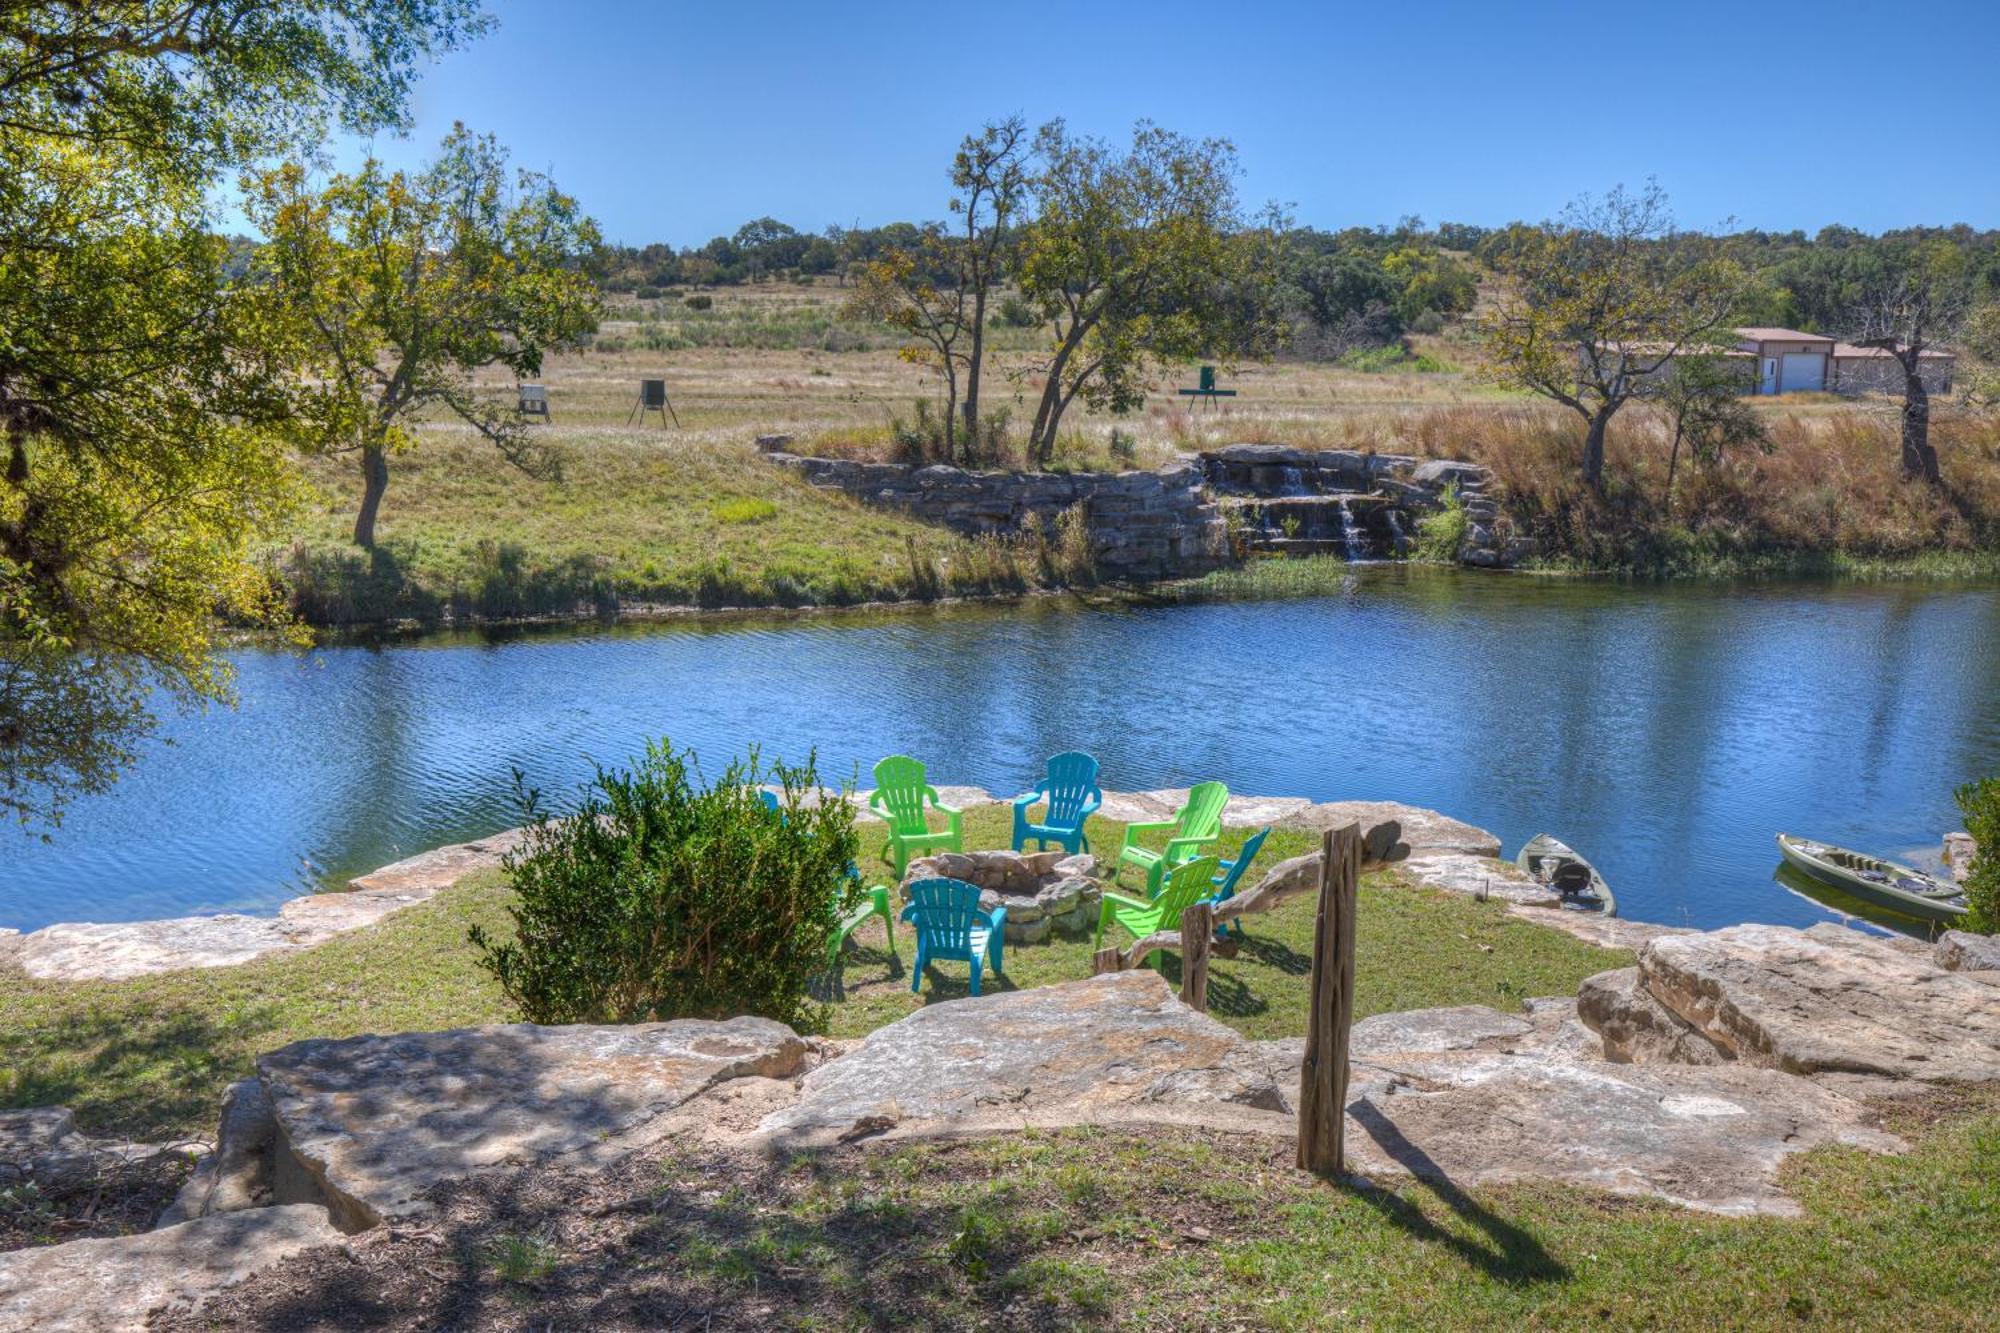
{"points": [[1197, 933], [1107, 960], [1323, 1074]]}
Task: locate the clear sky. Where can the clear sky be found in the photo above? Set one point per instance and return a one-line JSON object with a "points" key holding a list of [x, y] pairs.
{"points": [[679, 121]]}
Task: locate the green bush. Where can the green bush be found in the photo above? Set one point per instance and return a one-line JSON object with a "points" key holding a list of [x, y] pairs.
{"points": [[658, 898], [1980, 803], [703, 301], [1440, 535]]}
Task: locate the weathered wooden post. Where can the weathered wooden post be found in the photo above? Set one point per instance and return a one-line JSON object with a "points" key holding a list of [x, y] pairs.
{"points": [[1197, 933], [1323, 1075], [1107, 960]]}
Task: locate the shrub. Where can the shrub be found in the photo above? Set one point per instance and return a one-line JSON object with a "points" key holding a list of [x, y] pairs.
{"points": [[1428, 321], [699, 301], [1440, 535], [657, 898], [1980, 803], [647, 293], [1124, 446], [1017, 314]]}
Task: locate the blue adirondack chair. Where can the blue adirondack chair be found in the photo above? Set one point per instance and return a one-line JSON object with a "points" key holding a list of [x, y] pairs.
{"points": [[875, 902], [1232, 872], [950, 924], [1070, 792]]}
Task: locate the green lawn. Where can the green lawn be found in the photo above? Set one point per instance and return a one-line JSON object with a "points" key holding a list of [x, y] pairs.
{"points": [[152, 1055], [701, 522]]}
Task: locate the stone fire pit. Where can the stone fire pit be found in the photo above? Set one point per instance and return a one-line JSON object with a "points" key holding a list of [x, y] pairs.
{"points": [[1042, 891]]}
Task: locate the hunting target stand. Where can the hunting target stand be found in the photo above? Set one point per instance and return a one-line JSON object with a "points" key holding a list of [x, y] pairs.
{"points": [[653, 398]]}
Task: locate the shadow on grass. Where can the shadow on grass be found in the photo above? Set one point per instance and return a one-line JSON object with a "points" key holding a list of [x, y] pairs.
{"points": [[145, 1072], [717, 1242], [1512, 1256]]}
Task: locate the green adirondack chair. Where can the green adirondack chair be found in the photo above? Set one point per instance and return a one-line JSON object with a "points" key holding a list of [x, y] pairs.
{"points": [[1189, 883], [900, 796], [874, 902], [1195, 823]]}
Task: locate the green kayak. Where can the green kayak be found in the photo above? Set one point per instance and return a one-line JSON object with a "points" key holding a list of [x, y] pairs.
{"points": [[1551, 861], [1899, 888]]}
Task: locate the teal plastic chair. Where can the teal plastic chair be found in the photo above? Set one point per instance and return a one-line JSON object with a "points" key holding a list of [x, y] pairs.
{"points": [[874, 903], [951, 925], [900, 797], [1232, 873], [1190, 882], [1197, 822], [1070, 791]]}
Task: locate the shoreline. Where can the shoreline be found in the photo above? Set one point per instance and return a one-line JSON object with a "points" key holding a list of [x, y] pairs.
{"points": [[1963, 569], [1436, 850]]}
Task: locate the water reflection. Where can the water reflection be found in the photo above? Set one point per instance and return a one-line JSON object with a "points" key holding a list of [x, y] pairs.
{"points": [[1665, 731]]}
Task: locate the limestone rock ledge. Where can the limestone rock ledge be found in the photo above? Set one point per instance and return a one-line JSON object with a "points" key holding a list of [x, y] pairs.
{"points": [[113, 1285], [365, 1125], [1827, 1002]]}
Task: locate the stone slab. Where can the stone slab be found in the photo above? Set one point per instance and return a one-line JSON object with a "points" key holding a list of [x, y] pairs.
{"points": [[1118, 1047], [1712, 1139], [1474, 876], [118, 950], [367, 1124], [237, 1174], [1827, 999], [1635, 1028], [1423, 830], [113, 1285], [1606, 932], [1461, 1027]]}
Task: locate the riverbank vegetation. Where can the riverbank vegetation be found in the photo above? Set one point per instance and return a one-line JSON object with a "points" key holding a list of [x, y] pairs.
{"points": [[151, 1056]]}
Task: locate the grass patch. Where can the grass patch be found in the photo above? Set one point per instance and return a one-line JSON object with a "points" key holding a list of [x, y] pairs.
{"points": [[151, 1056], [744, 509], [1101, 1228]]}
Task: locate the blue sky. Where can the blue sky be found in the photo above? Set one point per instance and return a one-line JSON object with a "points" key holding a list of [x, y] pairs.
{"points": [[680, 121]]}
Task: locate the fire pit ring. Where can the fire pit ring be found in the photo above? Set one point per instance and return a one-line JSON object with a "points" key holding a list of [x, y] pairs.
{"points": [[1042, 891]]}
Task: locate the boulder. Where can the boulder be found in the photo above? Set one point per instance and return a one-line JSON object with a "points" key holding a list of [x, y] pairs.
{"points": [[237, 1174], [367, 1124], [1117, 1048], [1962, 951], [1464, 1027], [115, 1284], [1636, 1028], [1423, 830], [1828, 999], [1959, 849]]}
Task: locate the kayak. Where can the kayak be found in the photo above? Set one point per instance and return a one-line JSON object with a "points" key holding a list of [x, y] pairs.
{"points": [[1551, 861], [1899, 888]]}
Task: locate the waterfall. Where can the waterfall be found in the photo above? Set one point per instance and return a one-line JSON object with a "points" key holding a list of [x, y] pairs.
{"points": [[1350, 533], [1396, 532], [1292, 482]]}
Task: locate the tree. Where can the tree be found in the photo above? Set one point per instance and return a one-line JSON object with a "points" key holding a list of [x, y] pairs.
{"points": [[142, 397], [1136, 257], [1702, 397], [1599, 300], [402, 286], [936, 289], [990, 174], [1920, 297]]}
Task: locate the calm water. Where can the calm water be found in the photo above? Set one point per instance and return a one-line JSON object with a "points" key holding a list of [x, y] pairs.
{"points": [[1666, 732]]}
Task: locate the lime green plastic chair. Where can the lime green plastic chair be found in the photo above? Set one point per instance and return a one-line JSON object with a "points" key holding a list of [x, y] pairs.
{"points": [[1195, 823], [900, 797], [1190, 882], [874, 902]]}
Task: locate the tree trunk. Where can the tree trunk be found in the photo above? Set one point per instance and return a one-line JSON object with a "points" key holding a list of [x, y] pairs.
{"points": [[972, 365], [1593, 447], [1673, 461], [1919, 459], [1042, 437], [374, 481], [950, 411]]}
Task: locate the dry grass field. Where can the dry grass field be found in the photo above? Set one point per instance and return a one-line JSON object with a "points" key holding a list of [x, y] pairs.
{"points": [[685, 514]]}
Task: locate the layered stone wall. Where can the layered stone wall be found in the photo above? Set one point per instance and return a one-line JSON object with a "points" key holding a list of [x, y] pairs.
{"points": [[1142, 525]]}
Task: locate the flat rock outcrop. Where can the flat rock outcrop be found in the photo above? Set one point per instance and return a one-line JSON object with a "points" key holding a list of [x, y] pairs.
{"points": [[1423, 830], [117, 950], [367, 1124], [1118, 1046], [1712, 1139], [1823, 1001], [1962, 951], [115, 1284], [1635, 1027]]}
